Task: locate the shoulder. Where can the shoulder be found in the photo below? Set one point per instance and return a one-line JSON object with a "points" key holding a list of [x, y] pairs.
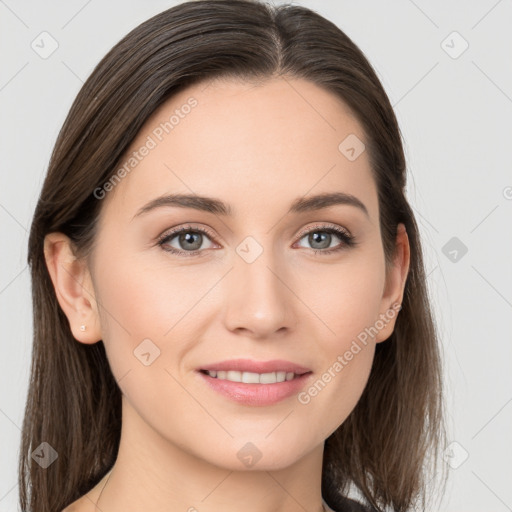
{"points": [[86, 503], [83, 504], [78, 506]]}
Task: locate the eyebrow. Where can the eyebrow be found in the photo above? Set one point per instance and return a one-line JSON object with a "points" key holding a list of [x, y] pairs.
{"points": [[218, 207]]}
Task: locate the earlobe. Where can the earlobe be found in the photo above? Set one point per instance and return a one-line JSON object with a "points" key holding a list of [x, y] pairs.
{"points": [[73, 287], [395, 284]]}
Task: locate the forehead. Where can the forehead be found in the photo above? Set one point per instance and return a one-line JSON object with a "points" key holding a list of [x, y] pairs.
{"points": [[250, 144]]}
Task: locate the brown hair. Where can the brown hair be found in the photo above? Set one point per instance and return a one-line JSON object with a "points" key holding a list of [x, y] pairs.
{"points": [[386, 447]]}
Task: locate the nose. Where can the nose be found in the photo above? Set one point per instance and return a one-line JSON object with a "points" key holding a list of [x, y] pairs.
{"points": [[259, 302]]}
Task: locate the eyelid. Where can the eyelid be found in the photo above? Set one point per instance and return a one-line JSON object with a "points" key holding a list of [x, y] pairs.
{"points": [[187, 227], [320, 226]]}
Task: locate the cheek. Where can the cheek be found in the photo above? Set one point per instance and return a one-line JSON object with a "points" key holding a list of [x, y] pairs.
{"points": [[146, 323], [346, 296], [157, 309], [137, 304], [145, 298], [347, 300]]}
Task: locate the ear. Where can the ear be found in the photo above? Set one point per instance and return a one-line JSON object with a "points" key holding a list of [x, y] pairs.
{"points": [[395, 284], [73, 287]]}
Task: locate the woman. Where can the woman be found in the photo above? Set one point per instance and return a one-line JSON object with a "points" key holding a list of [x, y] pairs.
{"points": [[230, 304]]}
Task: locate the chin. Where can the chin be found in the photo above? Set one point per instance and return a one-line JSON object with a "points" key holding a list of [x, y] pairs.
{"points": [[259, 454]]}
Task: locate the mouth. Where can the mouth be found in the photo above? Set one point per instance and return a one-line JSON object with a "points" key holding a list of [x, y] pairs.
{"points": [[255, 383], [253, 377]]}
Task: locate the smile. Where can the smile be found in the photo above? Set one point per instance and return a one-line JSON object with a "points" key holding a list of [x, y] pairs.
{"points": [[251, 377]]}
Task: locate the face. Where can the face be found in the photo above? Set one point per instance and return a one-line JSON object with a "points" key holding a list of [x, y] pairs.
{"points": [[261, 273]]}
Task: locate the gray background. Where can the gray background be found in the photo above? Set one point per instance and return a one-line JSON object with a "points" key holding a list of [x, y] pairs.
{"points": [[454, 110]]}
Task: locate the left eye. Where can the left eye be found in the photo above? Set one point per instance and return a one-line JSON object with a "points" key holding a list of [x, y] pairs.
{"points": [[321, 238], [190, 239]]}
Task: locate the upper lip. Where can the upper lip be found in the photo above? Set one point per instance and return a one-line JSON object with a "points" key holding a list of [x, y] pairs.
{"points": [[248, 365]]}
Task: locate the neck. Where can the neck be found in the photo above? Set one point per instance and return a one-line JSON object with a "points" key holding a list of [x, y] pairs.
{"points": [[152, 473]]}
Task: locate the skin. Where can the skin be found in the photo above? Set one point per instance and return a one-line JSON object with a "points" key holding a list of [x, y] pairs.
{"points": [[258, 148]]}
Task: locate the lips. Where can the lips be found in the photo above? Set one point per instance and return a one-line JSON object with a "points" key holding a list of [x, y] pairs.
{"points": [[255, 383], [256, 394], [250, 366]]}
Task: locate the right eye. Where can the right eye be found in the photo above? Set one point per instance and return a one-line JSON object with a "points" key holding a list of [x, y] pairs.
{"points": [[190, 240]]}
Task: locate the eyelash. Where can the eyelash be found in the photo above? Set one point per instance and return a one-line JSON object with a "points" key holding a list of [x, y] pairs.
{"points": [[347, 239]]}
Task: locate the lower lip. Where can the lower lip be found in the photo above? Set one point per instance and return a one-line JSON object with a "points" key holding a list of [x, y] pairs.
{"points": [[257, 394]]}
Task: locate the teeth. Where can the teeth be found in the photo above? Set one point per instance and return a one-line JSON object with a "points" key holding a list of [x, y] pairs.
{"points": [[252, 378]]}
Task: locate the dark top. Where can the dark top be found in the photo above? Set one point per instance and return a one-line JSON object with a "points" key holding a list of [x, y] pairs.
{"points": [[348, 505]]}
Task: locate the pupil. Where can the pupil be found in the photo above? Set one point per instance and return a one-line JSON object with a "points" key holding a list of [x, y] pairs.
{"points": [[314, 239], [189, 239]]}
